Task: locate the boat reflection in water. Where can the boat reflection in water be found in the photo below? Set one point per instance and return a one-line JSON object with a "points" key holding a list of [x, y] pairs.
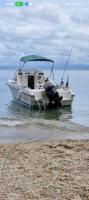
{"points": [[18, 111]]}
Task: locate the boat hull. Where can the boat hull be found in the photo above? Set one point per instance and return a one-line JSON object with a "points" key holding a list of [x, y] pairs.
{"points": [[27, 97]]}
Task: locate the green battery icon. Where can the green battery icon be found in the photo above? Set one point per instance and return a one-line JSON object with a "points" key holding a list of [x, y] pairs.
{"points": [[19, 3]]}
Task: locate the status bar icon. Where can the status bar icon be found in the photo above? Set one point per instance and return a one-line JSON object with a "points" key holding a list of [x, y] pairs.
{"points": [[14, 3], [22, 3]]}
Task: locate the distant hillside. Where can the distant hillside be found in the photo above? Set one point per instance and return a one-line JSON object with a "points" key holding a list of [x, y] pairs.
{"points": [[56, 66], [73, 67]]}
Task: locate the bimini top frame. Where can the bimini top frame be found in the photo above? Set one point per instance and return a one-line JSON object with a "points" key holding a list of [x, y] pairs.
{"points": [[35, 58], [26, 59]]}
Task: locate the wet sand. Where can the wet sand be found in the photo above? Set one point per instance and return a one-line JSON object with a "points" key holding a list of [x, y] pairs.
{"points": [[45, 171]]}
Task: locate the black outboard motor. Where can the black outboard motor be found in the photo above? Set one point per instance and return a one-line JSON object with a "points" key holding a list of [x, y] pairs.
{"points": [[57, 99], [54, 96]]}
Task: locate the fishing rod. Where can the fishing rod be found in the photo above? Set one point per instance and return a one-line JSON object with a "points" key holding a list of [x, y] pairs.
{"points": [[66, 65]]}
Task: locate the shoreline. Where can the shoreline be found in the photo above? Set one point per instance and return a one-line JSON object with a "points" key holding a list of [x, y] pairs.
{"points": [[43, 130], [45, 171]]}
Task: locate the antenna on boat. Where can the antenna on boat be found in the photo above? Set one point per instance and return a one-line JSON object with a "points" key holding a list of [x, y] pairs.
{"points": [[66, 66]]}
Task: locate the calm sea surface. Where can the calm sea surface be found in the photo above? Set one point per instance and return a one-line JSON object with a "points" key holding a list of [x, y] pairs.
{"points": [[13, 114]]}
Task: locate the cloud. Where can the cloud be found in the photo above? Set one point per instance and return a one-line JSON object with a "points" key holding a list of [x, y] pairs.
{"points": [[48, 29]]}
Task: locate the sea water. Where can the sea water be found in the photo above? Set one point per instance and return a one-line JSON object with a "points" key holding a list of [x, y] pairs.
{"points": [[14, 114]]}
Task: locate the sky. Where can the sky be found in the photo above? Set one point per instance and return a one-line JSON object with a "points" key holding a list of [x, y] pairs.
{"points": [[49, 28]]}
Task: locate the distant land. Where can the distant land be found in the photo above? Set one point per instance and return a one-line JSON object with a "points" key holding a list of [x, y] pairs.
{"points": [[56, 66]]}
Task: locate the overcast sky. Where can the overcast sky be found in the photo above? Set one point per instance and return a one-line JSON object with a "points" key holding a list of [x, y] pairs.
{"points": [[49, 28]]}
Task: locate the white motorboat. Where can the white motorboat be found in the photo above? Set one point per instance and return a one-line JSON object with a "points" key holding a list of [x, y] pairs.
{"points": [[28, 86]]}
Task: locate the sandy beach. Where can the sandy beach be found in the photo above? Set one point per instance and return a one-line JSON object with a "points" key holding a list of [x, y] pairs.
{"points": [[45, 171]]}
